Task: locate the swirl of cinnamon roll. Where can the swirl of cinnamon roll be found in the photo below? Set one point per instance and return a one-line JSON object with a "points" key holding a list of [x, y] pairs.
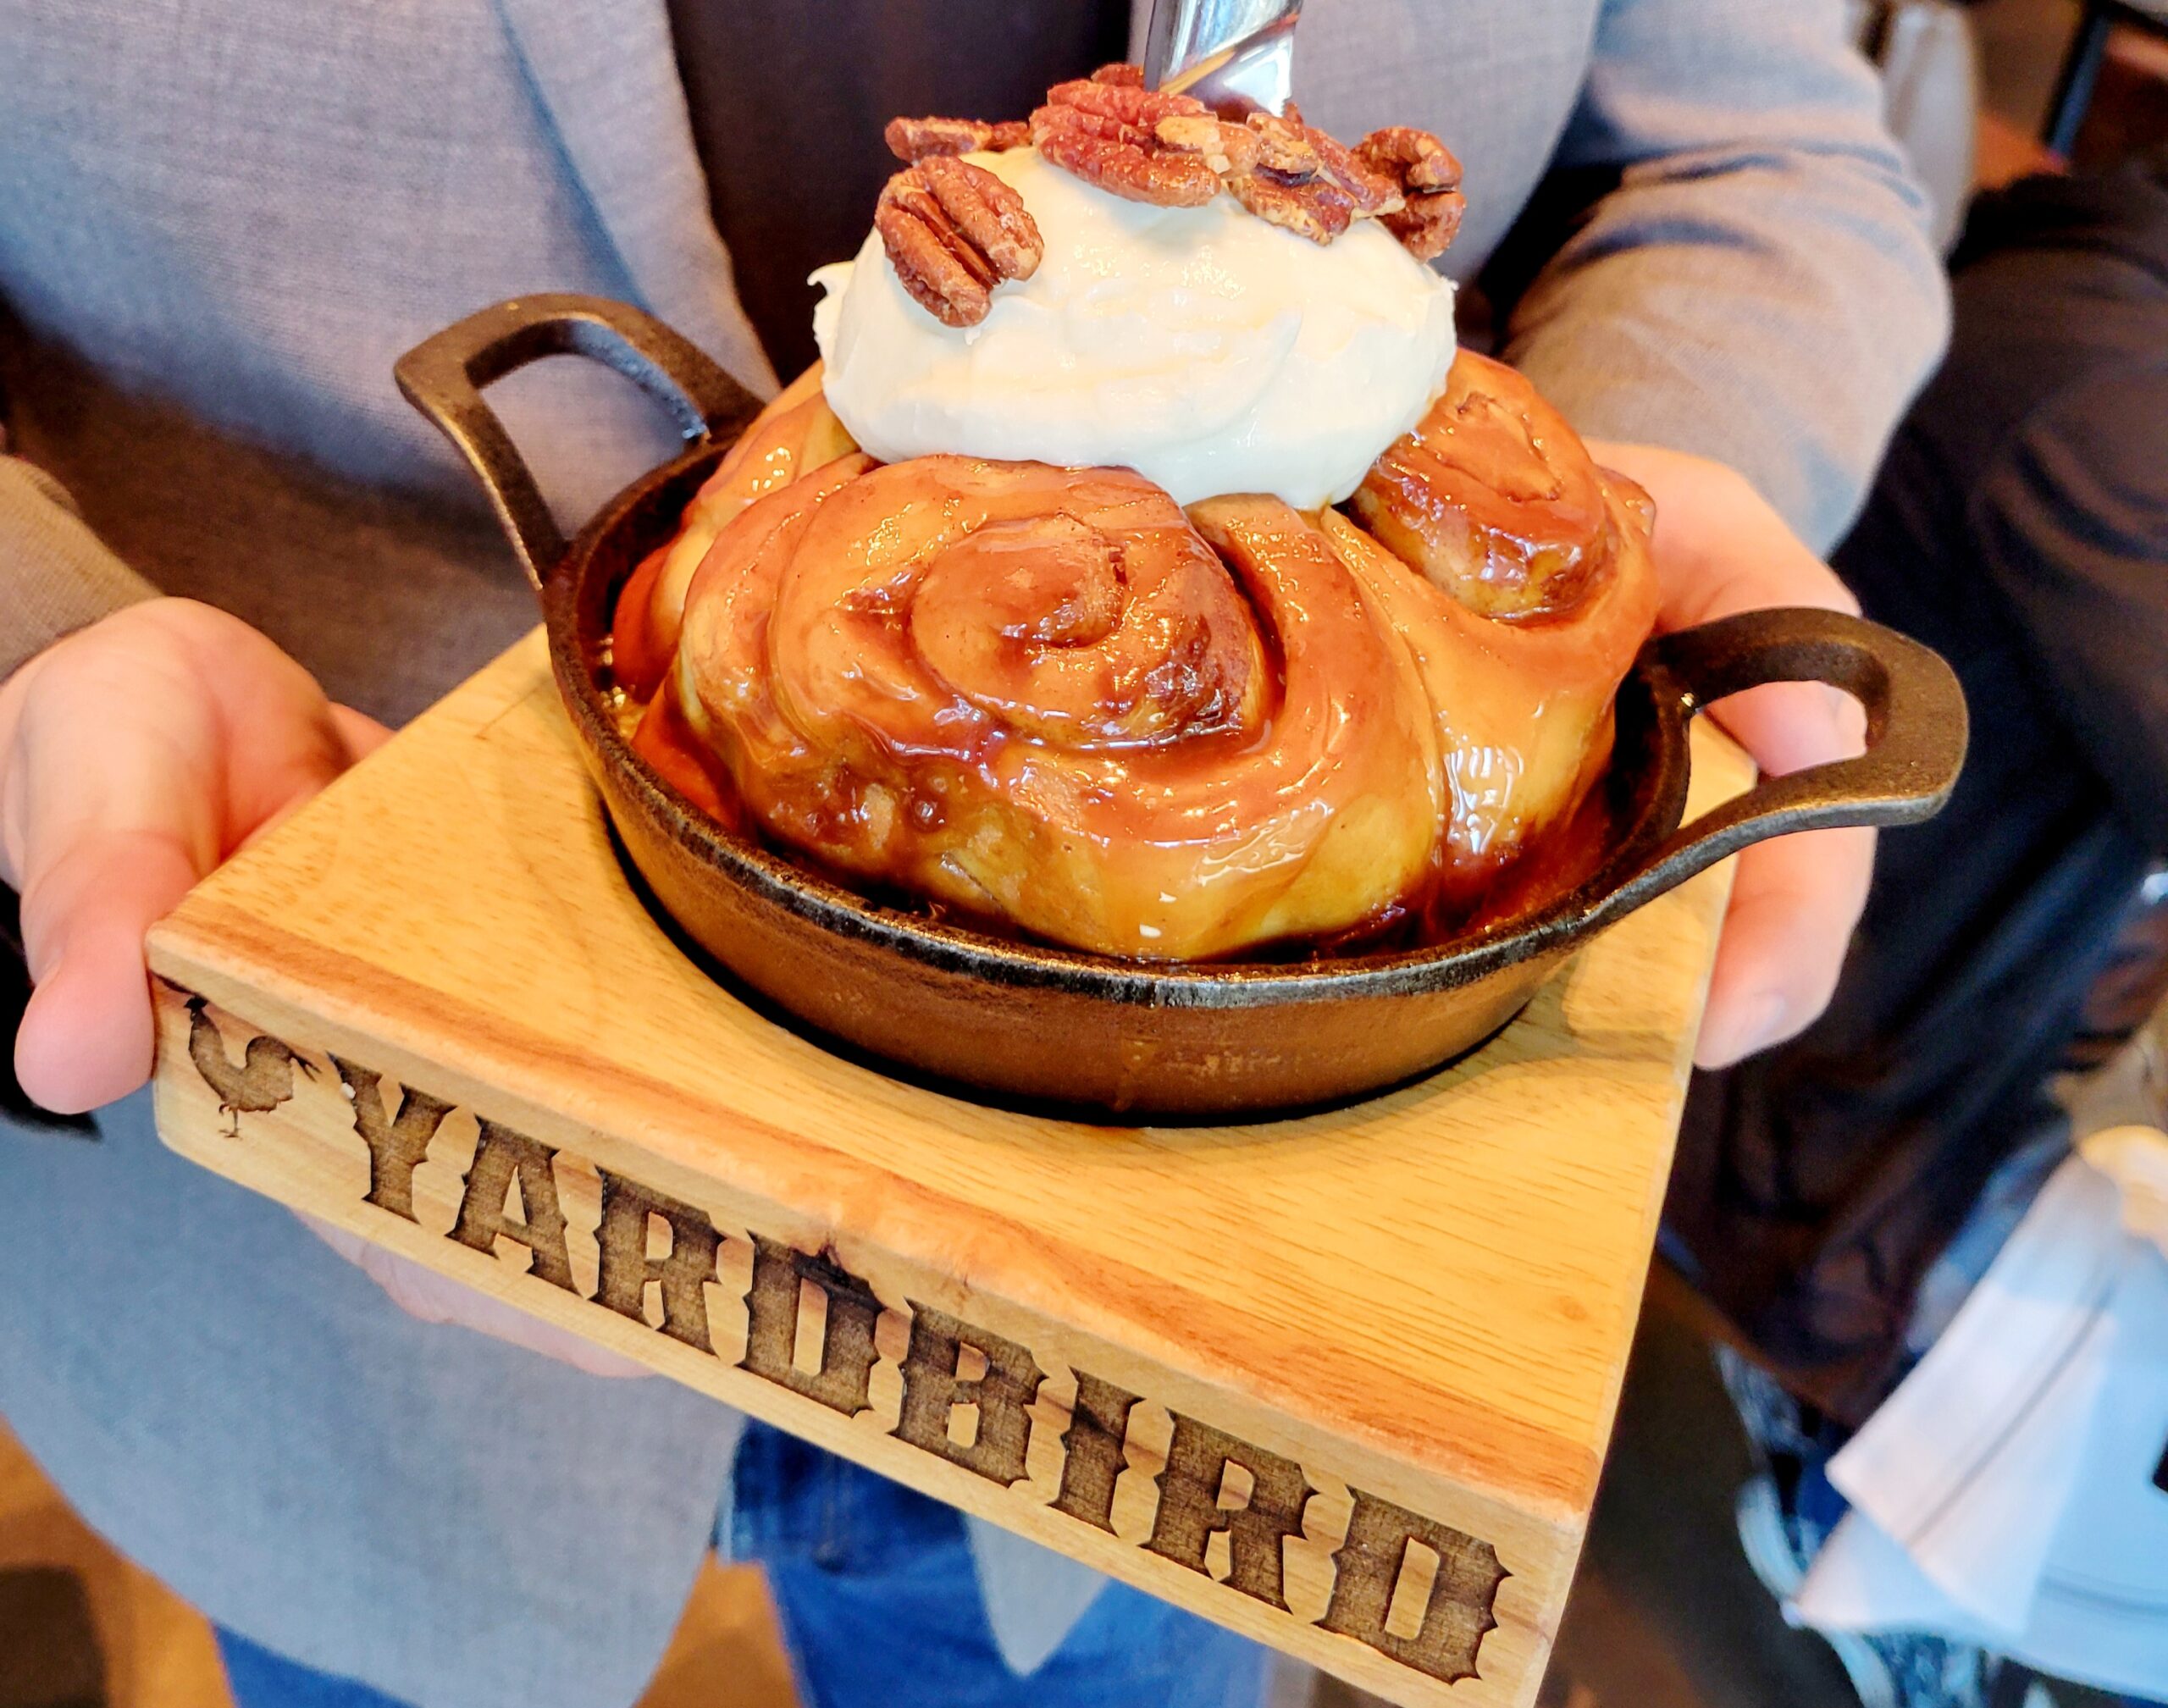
{"points": [[1048, 696]]}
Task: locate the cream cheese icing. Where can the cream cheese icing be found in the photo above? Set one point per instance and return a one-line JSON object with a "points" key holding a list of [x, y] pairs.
{"points": [[1210, 352]]}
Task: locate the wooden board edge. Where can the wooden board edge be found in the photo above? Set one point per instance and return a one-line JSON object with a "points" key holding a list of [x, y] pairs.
{"points": [[248, 963], [1436, 1579]]}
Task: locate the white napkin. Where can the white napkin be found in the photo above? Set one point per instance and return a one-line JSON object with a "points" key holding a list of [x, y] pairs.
{"points": [[2007, 1494]]}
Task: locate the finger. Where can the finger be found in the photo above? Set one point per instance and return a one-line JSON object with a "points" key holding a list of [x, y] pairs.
{"points": [[278, 739], [1703, 578], [1720, 550], [436, 1298], [1794, 903], [1788, 726], [138, 753], [112, 820], [86, 1036], [361, 734]]}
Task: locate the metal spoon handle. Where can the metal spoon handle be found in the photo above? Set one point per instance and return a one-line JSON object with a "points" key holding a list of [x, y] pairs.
{"points": [[1234, 55]]}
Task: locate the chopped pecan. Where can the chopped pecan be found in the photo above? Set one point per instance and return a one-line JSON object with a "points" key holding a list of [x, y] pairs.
{"points": [[1172, 150], [914, 140], [1106, 133], [953, 231], [1428, 177]]}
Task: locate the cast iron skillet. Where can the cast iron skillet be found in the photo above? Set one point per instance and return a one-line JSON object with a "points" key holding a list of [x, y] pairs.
{"points": [[1023, 1021]]}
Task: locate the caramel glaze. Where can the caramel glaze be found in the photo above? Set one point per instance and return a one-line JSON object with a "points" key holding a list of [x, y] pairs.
{"points": [[1049, 702], [1568, 853]]}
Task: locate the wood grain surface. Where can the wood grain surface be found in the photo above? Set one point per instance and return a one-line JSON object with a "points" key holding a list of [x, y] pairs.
{"points": [[1343, 1382]]}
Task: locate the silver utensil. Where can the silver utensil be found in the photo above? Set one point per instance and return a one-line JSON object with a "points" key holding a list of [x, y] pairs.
{"points": [[1235, 56]]}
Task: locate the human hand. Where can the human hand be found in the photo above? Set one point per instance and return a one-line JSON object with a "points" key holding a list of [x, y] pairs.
{"points": [[135, 757], [1720, 548]]}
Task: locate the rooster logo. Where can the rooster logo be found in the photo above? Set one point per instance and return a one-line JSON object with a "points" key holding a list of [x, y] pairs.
{"points": [[263, 1081]]}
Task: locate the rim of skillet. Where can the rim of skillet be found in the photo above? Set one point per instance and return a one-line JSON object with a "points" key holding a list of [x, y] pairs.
{"points": [[576, 615]]}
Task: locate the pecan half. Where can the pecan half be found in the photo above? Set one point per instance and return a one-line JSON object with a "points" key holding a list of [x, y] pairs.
{"points": [[1413, 159], [1307, 182], [1228, 149], [953, 231], [1312, 209], [1107, 133], [914, 140], [1429, 178]]}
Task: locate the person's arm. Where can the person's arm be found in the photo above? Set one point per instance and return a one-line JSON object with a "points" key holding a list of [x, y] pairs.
{"points": [[1760, 287], [56, 576]]}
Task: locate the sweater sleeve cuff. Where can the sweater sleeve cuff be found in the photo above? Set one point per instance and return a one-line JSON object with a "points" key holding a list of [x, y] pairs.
{"points": [[56, 576]]}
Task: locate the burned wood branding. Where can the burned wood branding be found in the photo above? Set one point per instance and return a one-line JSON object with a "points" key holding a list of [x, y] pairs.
{"points": [[1222, 1507]]}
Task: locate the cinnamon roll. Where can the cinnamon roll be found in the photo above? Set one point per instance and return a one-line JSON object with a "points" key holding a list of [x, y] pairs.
{"points": [[1045, 696], [1052, 699]]}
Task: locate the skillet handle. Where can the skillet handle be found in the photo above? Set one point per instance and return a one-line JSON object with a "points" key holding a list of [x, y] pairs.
{"points": [[443, 377], [1916, 733]]}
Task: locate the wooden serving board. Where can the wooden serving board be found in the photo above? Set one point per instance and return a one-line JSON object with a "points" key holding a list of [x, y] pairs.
{"points": [[1343, 1383]]}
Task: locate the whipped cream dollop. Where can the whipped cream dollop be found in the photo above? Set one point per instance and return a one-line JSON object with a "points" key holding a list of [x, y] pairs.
{"points": [[1207, 350]]}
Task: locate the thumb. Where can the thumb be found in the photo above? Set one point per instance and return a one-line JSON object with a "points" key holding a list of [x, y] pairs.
{"points": [[86, 1033], [134, 756], [110, 815]]}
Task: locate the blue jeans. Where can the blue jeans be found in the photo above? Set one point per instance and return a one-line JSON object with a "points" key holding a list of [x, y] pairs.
{"points": [[879, 1604]]}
